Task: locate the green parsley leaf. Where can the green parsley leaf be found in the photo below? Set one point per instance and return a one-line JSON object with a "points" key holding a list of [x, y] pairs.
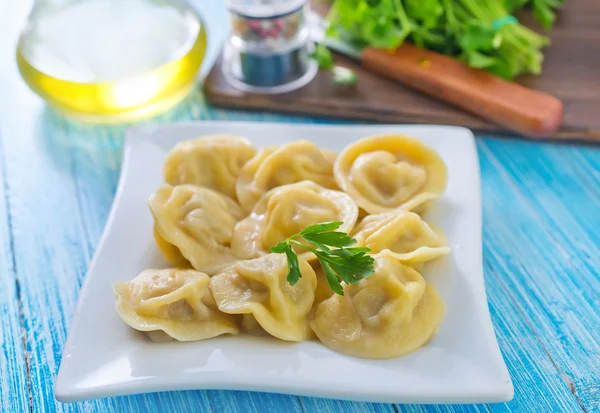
{"points": [[332, 278], [340, 264], [356, 250], [332, 239], [349, 252], [294, 273], [353, 268], [280, 248], [325, 226]]}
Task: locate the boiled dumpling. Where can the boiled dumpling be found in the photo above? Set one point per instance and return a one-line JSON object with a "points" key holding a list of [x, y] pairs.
{"points": [[389, 314], [390, 172], [249, 325], [404, 234], [259, 287], [177, 303], [213, 162], [170, 252], [330, 156], [199, 222], [280, 165], [287, 210]]}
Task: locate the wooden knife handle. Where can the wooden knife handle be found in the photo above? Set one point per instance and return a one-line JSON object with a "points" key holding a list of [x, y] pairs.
{"points": [[524, 110]]}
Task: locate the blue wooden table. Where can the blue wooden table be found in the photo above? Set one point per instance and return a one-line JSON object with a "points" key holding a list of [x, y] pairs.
{"points": [[541, 210]]}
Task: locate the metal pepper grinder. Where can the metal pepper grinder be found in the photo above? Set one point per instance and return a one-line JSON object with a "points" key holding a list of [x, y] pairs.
{"points": [[269, 46]]}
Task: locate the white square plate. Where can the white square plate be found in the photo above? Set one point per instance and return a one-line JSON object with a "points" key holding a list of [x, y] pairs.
{"points": [[461, 364]]}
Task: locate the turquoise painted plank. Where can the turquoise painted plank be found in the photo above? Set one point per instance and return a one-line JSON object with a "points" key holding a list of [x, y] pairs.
{"points": [[318, 405], [14, 394], [555, 296], [539, 386], [253, 402], [331, 406], [564, 196], [443, 408], [583, 161], [13, 373], [34, 278]]}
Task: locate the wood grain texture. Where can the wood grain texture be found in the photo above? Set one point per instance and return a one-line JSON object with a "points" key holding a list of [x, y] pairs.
{"points": [[571, 68], [14, 377], [562, 297], [13, 369]]}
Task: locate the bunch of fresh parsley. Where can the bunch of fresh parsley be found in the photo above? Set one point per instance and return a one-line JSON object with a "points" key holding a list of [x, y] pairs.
{"points": [[340, 262], [483, 33]]}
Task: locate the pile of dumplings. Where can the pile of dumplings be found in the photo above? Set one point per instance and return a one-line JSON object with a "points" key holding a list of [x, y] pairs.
{"points": [[224, 204]]}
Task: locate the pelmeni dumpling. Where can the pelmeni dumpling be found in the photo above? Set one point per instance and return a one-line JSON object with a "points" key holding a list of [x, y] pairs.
{"points": [[287, 210], [213, 162], [170, 252], [175, 302], [274, 166], [260, 287], [404, 234], [390, 172], [389, 314], [249, 325], [199, 222]]}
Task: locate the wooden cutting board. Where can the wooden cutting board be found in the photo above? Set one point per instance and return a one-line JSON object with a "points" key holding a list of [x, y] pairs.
{"points": [[571, 72]]}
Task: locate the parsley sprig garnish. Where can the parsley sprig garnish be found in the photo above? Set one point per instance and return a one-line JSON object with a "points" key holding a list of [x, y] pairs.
{"points": [[340, 262]]}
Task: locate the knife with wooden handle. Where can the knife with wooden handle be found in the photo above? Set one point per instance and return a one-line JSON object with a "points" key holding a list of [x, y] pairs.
{"points": [[509, 104]]}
